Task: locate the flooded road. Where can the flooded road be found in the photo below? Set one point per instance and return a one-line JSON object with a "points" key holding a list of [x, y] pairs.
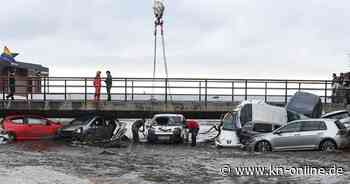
{"points": [[47, 162]]}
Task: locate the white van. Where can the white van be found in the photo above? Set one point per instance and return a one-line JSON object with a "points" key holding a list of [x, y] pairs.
{"points": [[247, 112]]}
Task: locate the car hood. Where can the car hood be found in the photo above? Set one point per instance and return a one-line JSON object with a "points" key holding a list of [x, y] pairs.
{"points": [[71, 127]]}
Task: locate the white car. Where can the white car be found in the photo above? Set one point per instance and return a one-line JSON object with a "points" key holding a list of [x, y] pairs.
{"points": [[4, 137], [166, 127]]}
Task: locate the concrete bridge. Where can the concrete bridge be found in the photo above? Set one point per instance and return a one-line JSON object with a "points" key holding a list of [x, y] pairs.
{"points": [[129, 109], [135, 97]]}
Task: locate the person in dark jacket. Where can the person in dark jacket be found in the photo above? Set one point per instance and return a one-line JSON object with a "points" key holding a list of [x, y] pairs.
{"points": [[108, 82], [193, 127], [12, 86], [136, 128]]}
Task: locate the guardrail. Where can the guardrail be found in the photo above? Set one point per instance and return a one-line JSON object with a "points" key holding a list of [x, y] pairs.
{"points": [[167, 89]]}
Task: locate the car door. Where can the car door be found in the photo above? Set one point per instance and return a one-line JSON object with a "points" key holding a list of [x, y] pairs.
{"points": [[37, 127], [311, 133], [287, 137], [97, 128], [19, 127]]}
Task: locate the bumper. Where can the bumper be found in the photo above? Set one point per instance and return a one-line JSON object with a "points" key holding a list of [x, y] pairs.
{"points": [[228, 144], [164, 138], [67, 134]]}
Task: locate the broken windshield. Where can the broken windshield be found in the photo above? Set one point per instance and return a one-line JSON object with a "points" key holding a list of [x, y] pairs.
{"points": [[230, 121]]}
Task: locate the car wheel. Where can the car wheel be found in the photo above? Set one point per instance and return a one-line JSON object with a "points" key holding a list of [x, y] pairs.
{"points": [[328, 145], [219, 147], [12, 137], [263, 146]]}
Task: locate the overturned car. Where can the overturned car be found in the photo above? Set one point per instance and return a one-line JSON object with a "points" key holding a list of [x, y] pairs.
{"points": [[232, 122]]}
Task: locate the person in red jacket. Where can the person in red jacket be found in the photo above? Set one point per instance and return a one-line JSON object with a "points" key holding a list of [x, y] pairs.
{"points": [[97, 85], [193, 127]]}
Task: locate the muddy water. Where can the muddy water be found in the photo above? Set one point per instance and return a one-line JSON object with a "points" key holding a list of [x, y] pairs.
{"points": [[47, 162]]}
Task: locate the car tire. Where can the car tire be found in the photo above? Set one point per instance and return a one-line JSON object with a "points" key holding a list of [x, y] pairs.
{"points": [[328, 145], [219, 147], [12, 137], [263, 146]]}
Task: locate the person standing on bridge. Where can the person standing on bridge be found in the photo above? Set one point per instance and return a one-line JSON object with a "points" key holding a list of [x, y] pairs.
{"points": [[108, 82], [97, 85], [12, 86]]}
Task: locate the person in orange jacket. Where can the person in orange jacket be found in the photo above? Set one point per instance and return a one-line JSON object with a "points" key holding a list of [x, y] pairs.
{"points": [[97, 85]]}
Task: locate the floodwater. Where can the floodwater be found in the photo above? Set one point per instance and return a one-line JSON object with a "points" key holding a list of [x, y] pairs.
{"points": [[52, 162]]}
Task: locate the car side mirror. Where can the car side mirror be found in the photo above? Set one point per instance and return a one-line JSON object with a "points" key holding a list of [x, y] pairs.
{"points": [[277, 133]]}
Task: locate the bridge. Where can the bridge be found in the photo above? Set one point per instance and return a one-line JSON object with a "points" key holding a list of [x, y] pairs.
{"points": [[135, 97]]}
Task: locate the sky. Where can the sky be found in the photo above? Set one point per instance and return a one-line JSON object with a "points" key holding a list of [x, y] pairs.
{"points": [[277, 39]]}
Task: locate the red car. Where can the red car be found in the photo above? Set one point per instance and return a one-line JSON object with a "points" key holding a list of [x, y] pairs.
{"points": [[30, 127]]}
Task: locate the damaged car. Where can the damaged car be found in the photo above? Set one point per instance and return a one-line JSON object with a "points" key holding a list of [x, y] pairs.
{"points": [[232, 122], [254, 128], [342, 115], [4, 136], [93, 128], [167, 128], [308, 134]]}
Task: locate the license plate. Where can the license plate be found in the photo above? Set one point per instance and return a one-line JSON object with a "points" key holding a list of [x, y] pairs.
{"points": [[163, 137]]}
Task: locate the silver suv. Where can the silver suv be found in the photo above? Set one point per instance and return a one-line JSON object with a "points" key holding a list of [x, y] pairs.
{"points": [[323, 134]]}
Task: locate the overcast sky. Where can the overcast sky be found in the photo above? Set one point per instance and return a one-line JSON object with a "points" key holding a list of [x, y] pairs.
{"points": [[296, 39]]}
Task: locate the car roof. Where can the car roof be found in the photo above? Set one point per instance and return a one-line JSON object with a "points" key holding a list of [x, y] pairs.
{"points": [[314, 119], [334, 113], [26, 115], [264, 122]]}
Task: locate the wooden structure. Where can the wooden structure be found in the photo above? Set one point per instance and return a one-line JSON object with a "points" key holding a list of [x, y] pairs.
{"points": [[28, 77]]}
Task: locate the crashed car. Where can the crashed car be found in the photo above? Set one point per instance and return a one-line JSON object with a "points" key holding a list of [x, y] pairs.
{"points": [[254, 128], [305, 103], [308, 134], [166, 128], [29, 127], [93, 128], [4, 136], [246, 112], [342, 115]]}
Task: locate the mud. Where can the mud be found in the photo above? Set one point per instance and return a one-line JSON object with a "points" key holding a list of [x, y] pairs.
{"points": [[44, 162]]}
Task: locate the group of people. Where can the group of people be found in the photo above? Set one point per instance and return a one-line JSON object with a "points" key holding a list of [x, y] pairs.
{"points": [[339, 84], [191, 125], [98, 85]]}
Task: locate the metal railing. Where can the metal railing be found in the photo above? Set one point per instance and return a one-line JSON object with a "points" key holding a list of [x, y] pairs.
{"points": [[167, 89]]}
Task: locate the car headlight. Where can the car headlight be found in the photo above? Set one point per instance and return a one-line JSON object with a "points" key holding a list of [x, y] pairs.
{"points": [[79, 131], [177, 131]]}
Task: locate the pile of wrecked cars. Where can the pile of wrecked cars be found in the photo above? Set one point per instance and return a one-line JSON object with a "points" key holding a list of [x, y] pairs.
{"points": [[261, 127], [253, 125]]}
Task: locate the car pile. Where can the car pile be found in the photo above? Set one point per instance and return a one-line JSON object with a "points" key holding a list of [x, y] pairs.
{"points": [[298, 126]]}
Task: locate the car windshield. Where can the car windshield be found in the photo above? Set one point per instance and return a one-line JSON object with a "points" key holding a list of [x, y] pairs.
{"points": [[81, 120], [168, 120], [230, 121]]}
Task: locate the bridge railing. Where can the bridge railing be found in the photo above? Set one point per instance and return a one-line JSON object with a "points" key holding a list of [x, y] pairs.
{"points": [[166, 89]]}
